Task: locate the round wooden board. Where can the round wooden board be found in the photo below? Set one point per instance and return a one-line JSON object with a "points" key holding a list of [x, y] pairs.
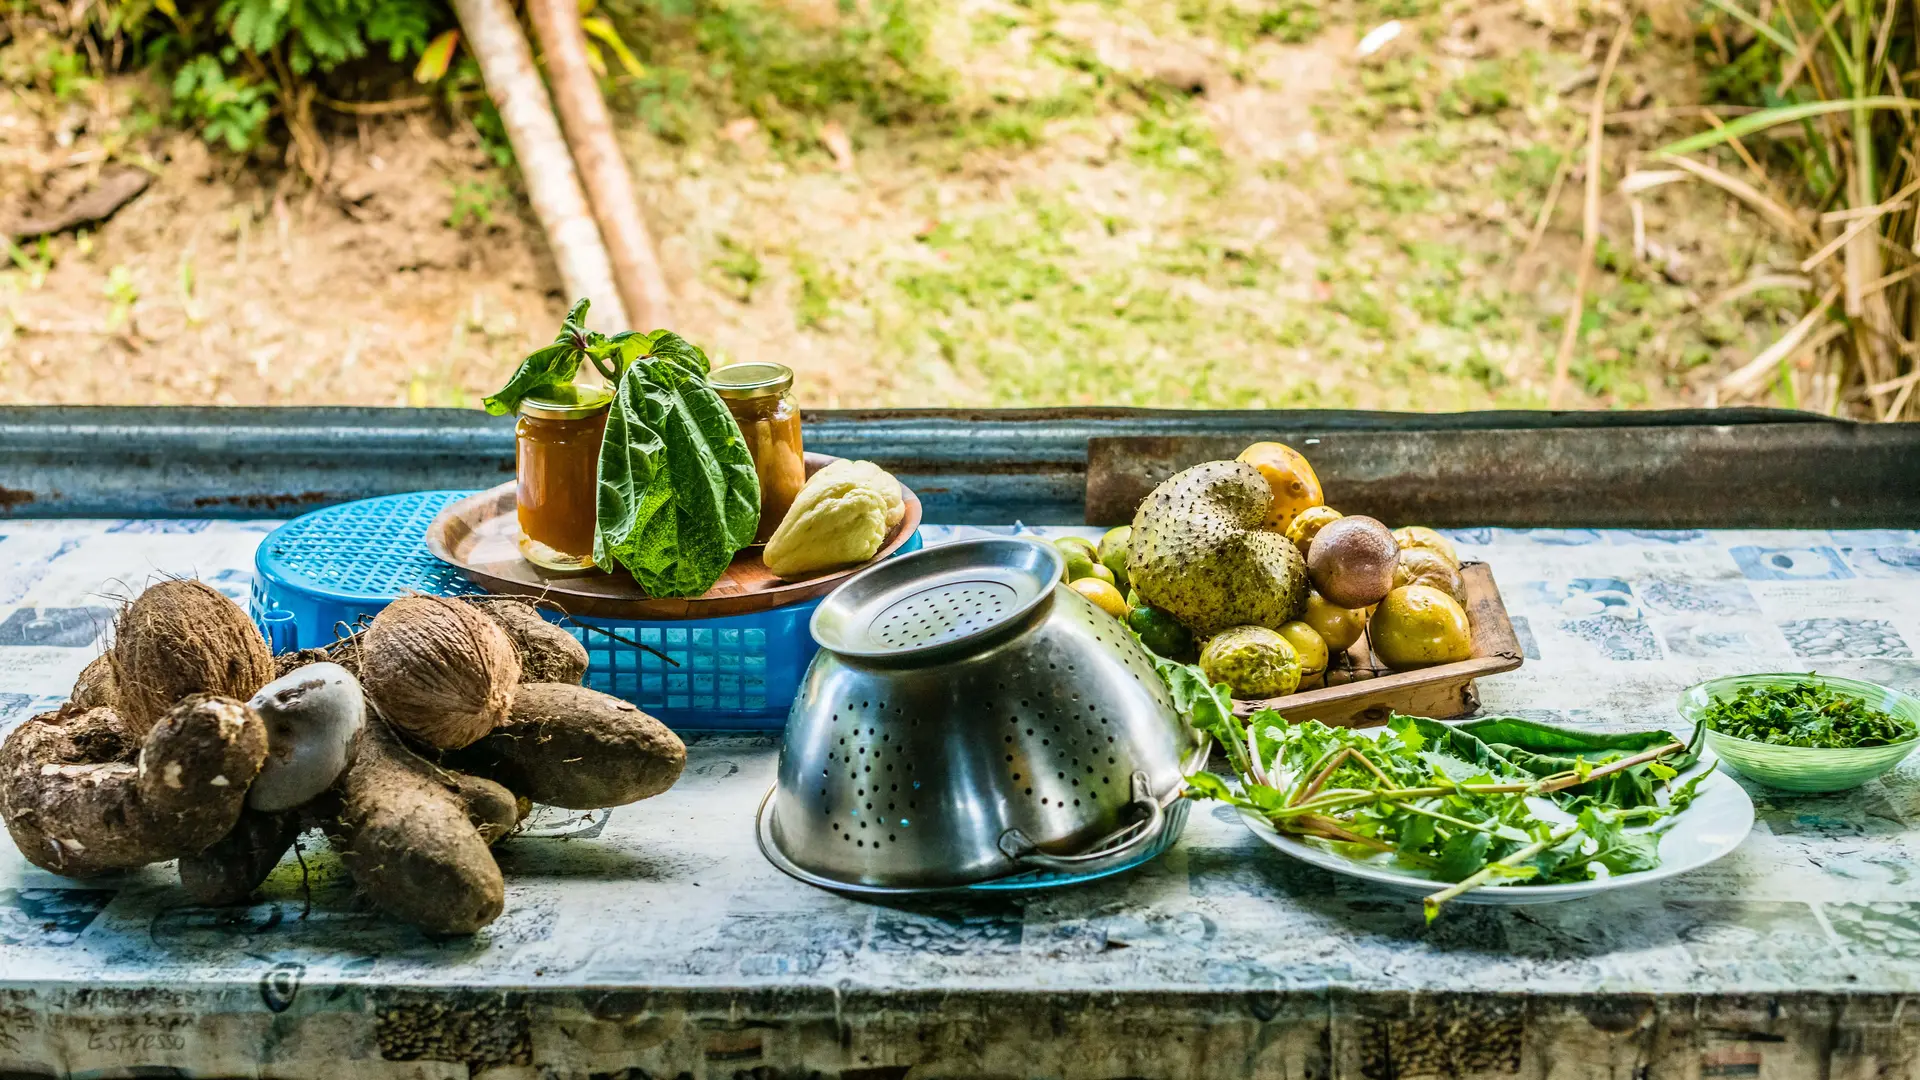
{"points": [[480, 535]]}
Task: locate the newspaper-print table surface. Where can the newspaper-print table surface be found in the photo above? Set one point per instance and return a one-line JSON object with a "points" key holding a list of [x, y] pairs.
{"points": [[656, 939]]}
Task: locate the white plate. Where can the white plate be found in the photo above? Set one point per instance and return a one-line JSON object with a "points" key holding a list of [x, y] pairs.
{"points": [[1718, 820]]}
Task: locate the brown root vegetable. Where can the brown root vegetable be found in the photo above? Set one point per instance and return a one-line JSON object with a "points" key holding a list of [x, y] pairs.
{"points": [[572, 747], [180, 638], [414, 836], [438, 670], [287, 663], [95, 688], [548, 654], [231, 869], [82, 795]]}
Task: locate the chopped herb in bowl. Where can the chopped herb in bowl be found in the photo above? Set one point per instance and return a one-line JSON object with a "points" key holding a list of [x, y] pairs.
{"points": [[1804, 732], [1805, 713]]}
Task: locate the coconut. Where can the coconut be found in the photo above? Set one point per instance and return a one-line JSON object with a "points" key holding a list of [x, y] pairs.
{"points": [[94, 689], [548, 654], [438, 670], [180, 638]]}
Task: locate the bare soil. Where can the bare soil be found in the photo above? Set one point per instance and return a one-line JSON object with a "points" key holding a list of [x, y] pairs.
{"points": [[1301, 227]]}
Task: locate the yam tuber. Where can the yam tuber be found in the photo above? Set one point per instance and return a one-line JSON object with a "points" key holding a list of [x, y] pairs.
{"points": [[81, 794], [414, 836], [548, 654], [313, 715], [438, 670], [184, 637], [234, 866], [576, 748]]}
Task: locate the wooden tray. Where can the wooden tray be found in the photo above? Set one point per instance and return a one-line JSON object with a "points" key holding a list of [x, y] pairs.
{"points": [[1370, 692], [480, 535]]}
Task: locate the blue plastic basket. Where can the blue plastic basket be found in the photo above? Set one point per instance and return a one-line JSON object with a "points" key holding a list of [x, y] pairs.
{"points": [[320, 574]]}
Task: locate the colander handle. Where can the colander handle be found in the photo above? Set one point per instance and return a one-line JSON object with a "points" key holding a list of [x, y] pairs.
{"points": [[1116, 847]]}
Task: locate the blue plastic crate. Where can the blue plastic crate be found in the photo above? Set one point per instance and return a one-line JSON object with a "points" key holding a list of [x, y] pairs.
{"points": [[321, 573]]}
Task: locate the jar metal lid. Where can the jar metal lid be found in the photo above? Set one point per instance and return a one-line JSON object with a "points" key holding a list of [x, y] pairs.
{"points": [[589, 401], [751, 380]]}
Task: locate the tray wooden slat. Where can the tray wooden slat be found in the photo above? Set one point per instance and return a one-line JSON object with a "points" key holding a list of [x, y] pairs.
{"points": [[1440, 692]]}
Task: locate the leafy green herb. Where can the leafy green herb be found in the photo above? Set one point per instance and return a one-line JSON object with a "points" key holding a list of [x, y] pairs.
{"points": [[678, 492], [1450, 802], [548, 373], [1804, 714]]}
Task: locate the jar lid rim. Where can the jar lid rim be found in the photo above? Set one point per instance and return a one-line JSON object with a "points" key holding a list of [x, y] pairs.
{"points": [[553, 409], [751, 379]]}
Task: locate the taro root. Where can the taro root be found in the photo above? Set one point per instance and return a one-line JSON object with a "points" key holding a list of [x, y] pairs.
{"points": [[234, 866], [547, 653], [180, 638], [438, 670], [415, 836], [576, 748], [95, 688], [82, 793], [313, 715]]}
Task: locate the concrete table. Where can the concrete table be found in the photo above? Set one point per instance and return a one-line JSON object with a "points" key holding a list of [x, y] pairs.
{"points": [[655, 941]]}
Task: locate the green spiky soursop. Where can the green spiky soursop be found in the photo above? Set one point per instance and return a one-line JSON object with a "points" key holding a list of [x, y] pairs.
{"points": [[1253, 661], [1198, 551]]}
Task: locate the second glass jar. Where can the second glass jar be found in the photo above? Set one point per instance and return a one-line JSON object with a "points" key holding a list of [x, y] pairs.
{"points": [[760, 397]]}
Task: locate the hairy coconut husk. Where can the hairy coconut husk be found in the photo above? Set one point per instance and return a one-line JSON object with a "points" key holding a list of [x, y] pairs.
{"points": [[548, 654], [438, 670], [95, 688], [181, 638], [287, 663]]}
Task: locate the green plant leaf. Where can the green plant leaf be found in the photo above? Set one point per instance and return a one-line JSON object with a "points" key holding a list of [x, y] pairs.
{"points": [[436, 58], [546, 371], [678, 494], [1780, 114], [1758, 25], [608, 36]]}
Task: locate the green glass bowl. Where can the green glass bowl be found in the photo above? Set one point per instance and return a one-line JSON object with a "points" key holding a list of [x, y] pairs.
{"points": [[1804, 768]]}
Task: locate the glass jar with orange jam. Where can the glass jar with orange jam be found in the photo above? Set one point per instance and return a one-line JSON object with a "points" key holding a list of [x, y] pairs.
{"points": [[557, 454], [760, 397]]}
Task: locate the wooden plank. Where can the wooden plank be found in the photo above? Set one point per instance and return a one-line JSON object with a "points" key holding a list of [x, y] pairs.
{"points": [[1802, 475], [1375, 692]]}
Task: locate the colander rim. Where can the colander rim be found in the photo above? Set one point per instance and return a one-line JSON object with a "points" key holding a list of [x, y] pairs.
{"points": [[904, 566]]}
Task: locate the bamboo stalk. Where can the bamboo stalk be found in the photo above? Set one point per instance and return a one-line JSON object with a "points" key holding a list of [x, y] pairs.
{"points": [[583, 112], [546, 165]]}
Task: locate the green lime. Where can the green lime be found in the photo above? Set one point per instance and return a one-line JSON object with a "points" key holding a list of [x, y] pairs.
{"points": [[1160, 632], [1113, 552]]}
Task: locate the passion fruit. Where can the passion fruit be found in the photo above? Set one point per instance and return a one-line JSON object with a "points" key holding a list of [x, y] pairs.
{"points": [[1295, 487], [1419, 626], [1412, 537], [1253, 661], [1103, 594], [1425, 566], [1307, 524], [1113, 550], [1309, 646], [1339, 627], [1351, 561]]}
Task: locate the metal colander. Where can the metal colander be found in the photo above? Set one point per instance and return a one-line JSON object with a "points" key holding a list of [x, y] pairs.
{"points": [[967, 719]]}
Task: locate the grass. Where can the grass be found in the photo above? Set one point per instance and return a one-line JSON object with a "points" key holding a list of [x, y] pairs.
{"points": [[1151, 202]]}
